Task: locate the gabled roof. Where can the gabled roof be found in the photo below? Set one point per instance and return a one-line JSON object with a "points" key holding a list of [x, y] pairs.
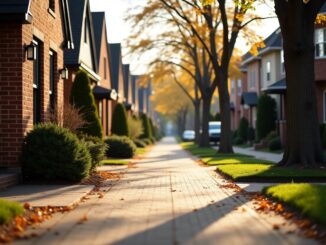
{"points": [[272, 42], [115, 62], [78, 11], [19, 10], [98, 22]]}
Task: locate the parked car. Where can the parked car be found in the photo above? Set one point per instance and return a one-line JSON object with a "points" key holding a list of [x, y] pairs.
{"points": [[188, 135], [214, 131]]}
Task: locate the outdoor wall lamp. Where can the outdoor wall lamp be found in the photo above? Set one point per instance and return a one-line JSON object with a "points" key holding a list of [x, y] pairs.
{"points": [[31, 51], [64, 73]]}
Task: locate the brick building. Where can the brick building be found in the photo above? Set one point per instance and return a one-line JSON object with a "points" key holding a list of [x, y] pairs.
{"points": [[34, 35]]}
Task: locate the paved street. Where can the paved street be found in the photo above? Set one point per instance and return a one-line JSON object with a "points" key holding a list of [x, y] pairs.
{"points": [[167, 199]]}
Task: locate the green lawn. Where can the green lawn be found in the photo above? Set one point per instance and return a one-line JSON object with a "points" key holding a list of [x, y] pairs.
{"points": [[198, 151], [223, 159], [308, 199], [268, 172], [114, 162], [9, 210]]}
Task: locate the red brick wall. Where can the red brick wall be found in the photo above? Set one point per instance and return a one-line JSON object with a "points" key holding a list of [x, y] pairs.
{"points": [[320, 69], [16, 107]]}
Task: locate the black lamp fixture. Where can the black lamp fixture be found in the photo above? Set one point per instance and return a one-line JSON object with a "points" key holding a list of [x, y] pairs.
{"points": [[64, 73], [31, 51]]}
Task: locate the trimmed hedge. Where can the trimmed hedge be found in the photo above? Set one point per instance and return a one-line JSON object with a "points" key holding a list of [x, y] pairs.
{"points": [[147, 141], [96, 147], [266, 116], [243, 129], [82, 97], [139, 143], [275, 144], [53, 153], [147, 134], [120, 147], [119, 121]]}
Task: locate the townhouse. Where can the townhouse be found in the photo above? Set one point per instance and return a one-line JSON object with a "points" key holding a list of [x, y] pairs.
{"points": [[34, 36], [127, 88]]}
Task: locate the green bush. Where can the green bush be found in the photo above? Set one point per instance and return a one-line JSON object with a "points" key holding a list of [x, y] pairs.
{"points": [[135, 127], [147, 141], [96, 147], [271, 135], [119, 121], [120, 147], [238, 141], [53, 153], [9, 210], [139, 143], [275, 144], [266, 116], [251, 134], [82, 97], [243, 129], [147, 127]]}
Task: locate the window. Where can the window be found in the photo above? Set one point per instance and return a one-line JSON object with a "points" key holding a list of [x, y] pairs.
{"points": [[239, 86], [268, 70], [52, 5], [100, 110], [37, 85], [232, 86], [282, 62], [105, 74], [52, 87], [86, 30], [252, 79], [320, 40]]}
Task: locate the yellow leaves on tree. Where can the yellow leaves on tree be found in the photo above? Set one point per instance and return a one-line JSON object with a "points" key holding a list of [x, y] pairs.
{"points": [[207, 2], [255, 48]]}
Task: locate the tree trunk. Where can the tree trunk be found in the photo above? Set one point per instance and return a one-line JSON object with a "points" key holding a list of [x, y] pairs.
{"points": [[197, 121], [303, 146], [226, 135], [204, 139]]}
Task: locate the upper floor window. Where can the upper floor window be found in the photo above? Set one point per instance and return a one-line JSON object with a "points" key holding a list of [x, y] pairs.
{"points": [[268, 70], [252, 79], [52, 5], [320, 40], [239, 86], [86, 30], [52, 87]]}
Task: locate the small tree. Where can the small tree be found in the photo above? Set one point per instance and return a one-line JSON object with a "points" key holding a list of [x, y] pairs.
{"points": [[243, 129], [147, 127], [135, 127], [119, 121], [82, 97], [266, 116]]}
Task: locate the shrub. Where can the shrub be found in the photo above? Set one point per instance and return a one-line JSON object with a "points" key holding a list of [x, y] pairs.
{"points": [[69, 117], [50, 153], [96, 147], [238, 141], [147, 141], [82, 97], [135, 128], [120, 147], [139, 143], [243, 129], [9, 210], [251, 134], [146, 126], [266, 116], [119, 121], [275, 144], [153, 140]]}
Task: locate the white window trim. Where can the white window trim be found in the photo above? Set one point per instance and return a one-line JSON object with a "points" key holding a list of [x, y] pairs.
{"points": [[324, 42]]}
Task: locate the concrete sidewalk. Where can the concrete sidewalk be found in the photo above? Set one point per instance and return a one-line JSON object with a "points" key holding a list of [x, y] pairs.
{"points": [[166, 199]]}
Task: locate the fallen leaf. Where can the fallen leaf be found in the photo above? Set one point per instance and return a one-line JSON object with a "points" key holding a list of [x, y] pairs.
{"points": [[276, 227], [27, 206]]}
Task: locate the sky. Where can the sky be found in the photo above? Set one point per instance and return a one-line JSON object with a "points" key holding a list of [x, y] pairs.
{"points": [[118, 29]]}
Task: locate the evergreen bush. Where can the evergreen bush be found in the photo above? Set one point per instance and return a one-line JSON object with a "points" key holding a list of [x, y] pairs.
{"points": [[135, 128], [53, 153], [266, 116], [243, 129], [147, 127], [275, 144], [120, 147], [82, 97], [119, 121], [139, 143]]}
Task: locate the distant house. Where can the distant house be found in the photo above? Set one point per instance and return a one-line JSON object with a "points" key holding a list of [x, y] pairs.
{"points": [[34, 35], [117, 70], [128, 88], [83, 56], [134, 93], [104, 94]]}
